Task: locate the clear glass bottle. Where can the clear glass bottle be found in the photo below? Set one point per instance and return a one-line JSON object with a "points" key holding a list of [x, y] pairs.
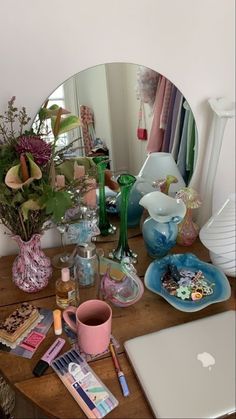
{"points": [[65, 290], [86, 269]]}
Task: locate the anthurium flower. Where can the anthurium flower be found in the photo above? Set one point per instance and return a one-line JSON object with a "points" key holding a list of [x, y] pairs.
{"points": [[14, 179], [65, 124], [29, 205], [46, 113]]}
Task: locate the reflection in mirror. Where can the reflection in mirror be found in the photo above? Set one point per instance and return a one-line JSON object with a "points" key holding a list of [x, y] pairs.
{"points": [[128, 111]]}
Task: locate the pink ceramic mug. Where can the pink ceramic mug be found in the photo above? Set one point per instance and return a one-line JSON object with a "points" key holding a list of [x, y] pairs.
{"points": [[93, 325]]}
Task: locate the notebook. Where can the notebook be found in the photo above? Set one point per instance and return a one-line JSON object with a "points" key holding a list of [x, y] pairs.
{"points": [[188, 371]]}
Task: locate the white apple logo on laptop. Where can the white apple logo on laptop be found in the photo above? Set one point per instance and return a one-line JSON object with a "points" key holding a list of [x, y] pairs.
{"points": [[206, 359]]}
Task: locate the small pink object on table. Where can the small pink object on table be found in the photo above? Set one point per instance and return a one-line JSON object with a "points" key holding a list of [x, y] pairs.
{"points": [[90, 198], [79, 171], [60, 181]]}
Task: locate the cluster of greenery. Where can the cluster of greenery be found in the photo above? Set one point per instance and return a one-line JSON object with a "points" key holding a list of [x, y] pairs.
{"points": [[29, 197]]}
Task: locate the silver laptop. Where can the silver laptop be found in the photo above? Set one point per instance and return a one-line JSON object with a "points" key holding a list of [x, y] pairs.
{"points": [[188, 371]]}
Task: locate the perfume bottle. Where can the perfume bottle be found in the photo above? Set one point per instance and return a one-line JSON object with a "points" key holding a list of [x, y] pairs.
{"points": [[65, 290], [86, 268]]}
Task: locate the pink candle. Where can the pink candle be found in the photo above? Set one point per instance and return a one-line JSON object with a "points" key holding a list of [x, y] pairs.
{"points": [[79, 171], [60, 181], [90, 198]]}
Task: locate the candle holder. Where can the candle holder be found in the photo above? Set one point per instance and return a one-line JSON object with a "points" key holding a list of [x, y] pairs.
{"points": [[85, 227], [62, 259]]}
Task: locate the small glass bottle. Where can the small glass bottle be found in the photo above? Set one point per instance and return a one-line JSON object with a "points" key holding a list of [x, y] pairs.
{"points": [[65, 290], [86, 269]]}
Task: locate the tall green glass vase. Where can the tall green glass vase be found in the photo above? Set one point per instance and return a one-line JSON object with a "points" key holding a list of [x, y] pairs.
{"points": [[125, 182], [105, 226]]}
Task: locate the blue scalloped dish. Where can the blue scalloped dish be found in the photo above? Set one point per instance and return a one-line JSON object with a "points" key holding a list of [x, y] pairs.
{"points": [[156, 270]]}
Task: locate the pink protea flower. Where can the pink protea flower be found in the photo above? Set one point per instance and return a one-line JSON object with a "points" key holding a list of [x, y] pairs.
{"points": [[40, 150]]}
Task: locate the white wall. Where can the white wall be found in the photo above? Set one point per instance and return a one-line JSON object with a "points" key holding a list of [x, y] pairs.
{"points": [[190, 42]]}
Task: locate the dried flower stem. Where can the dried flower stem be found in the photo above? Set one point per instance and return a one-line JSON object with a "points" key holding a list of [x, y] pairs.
{"points": [[22, 224]]}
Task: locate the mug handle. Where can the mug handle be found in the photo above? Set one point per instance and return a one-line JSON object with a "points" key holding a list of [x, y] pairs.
{"points": [[66, 317]]}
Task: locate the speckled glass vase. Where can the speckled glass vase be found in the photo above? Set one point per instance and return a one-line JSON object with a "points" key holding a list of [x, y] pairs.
{"points": [[187, 230], [31, 269]]}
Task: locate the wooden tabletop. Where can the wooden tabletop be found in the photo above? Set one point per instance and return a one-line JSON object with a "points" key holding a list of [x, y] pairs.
{"points": [[150, 314]]}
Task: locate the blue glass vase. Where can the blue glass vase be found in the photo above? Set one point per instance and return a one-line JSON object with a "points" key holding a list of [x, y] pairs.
{"points": [[159, 238], [160, 230]]}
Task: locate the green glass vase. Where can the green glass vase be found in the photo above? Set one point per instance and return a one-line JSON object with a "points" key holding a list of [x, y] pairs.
{"points": [[125, 182], [105, 226]]}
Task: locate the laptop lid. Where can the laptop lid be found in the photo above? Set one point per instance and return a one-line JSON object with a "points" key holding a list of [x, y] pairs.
{"points": [[188, 371]]}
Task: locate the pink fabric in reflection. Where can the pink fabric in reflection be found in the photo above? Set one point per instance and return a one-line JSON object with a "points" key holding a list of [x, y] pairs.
{"points": [[156, 134], [165, 106], [87, 118]]}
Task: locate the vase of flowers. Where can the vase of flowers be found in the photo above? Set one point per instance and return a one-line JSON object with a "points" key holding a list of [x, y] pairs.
{"points": [[30, 198], [32, 268]]}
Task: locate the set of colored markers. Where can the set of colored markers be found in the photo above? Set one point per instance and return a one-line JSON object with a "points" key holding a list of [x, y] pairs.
{"points": [[88, 390]]}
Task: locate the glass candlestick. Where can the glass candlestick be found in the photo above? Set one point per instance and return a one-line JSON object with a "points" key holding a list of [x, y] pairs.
{"points": [[85, 228], [63, 259], [105, 226], [125, 182]]}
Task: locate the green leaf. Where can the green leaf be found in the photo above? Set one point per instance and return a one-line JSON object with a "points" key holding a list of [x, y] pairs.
{"points": [[8, 157], [5, 195], [57, 203], [54, 107], [43, 114], [18, 198], [3, 199]]}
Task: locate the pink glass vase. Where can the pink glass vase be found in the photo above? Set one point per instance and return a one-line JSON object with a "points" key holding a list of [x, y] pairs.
{"points": [[31, 269], [187, 230]]}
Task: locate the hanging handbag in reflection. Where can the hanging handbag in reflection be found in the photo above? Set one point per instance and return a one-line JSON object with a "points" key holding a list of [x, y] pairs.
{"points": [[141, 130]]}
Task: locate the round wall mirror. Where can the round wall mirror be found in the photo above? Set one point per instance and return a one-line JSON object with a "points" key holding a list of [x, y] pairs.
{"points": [[127, 112]]}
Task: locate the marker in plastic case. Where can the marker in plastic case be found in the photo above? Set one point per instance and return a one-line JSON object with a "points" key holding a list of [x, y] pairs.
{"points": [[88, 390], [48, 357]]}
